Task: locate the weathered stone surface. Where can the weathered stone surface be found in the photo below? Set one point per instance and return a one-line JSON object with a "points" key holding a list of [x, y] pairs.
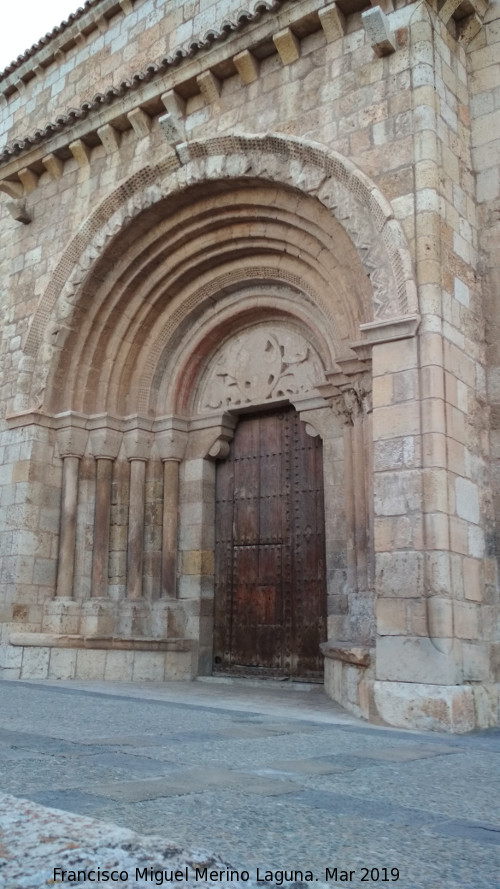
{"points": [[35, 840], [257, 211]]}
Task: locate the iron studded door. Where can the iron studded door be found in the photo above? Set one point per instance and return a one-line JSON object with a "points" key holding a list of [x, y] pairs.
{"points": [[270, 592]]}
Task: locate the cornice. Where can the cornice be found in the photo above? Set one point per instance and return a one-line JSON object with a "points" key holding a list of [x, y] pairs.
{"points": [[64, 34], [153, 71]]}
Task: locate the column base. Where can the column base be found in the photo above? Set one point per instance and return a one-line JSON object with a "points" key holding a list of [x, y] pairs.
{"points": [[57, 656], [444, 708]]}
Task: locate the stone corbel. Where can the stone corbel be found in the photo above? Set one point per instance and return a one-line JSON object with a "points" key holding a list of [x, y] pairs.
{"points": [[468, 17], [110, 138], [451, 9], [378, 33], [247, 66], [287, 46], [14, 190], [172, 123], [219, 449], [318, 421], [18, 211], [140, 121], [210, 437], [209, 86], [333, 22], [29, 179], [80, 151], [53, 165], [16, 207]]}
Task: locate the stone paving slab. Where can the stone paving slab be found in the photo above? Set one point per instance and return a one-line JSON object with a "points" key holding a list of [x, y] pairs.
{"points": [[265, 777]]}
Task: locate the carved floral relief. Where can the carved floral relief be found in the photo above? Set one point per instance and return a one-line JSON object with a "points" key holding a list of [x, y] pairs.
{"points": [[261, 364]]}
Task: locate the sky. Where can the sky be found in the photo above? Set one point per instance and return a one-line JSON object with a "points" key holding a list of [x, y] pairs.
{"points": [[24, 22]]}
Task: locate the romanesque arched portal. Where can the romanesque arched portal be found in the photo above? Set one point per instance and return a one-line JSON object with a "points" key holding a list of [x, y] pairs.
{"points": [[251, 275]]}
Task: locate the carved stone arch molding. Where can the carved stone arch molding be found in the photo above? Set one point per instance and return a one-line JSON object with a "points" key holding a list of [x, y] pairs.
{"points": [[301, 167]]}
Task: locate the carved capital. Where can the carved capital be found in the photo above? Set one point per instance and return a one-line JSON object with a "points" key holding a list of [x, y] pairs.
{"points": [[105, 443], [171, 439], [354, 400], [71, 441], [137, 443]]}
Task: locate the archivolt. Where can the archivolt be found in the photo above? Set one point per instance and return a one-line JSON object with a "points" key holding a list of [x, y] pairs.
{"points": [[230, 198]]}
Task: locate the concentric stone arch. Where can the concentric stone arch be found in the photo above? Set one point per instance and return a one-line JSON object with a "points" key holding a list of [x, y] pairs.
{"points": [[347, 193]]}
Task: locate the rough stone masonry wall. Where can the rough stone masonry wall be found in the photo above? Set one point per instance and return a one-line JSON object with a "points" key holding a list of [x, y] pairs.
{"points": [[484, 86], [120, 39], [338, 93], [403, 119]]}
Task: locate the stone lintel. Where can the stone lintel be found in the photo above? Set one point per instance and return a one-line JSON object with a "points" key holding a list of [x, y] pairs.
{"points": [[80, 151], [287, 46], [247, 66], [29, 179], [141, 122], [108, 643], [209, 86], [333, 22], [53, 165], [377, 31], [349, 652]]}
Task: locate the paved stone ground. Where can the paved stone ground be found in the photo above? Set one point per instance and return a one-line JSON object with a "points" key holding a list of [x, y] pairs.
{"points": [[265, 776]]}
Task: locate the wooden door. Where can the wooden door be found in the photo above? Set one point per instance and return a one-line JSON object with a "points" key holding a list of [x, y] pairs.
{"points": [[270, 591]]}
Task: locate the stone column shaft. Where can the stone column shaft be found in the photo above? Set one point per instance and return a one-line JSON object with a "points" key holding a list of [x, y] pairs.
{"points": [[360, 510], [100, 557], [349, 508], [136, 513], [170, 527], [67, 539]]}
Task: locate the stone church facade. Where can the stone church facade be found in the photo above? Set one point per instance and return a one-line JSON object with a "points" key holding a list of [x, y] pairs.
{"points": [[249, 368]]}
